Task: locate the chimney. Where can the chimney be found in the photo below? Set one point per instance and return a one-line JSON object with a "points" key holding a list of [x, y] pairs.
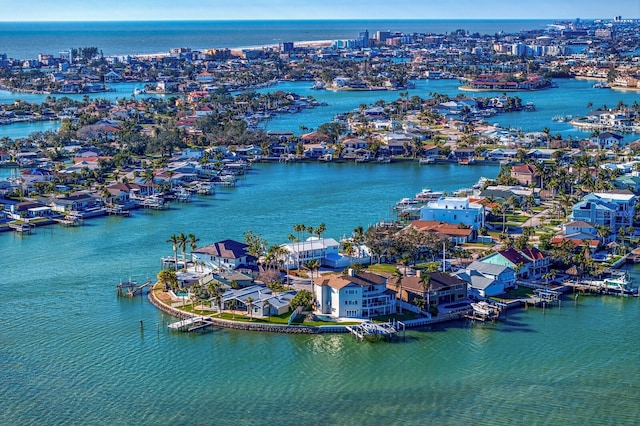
{"points": [[351, 272], [418, 273]]}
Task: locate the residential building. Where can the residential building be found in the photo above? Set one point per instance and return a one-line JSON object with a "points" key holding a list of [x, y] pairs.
{"points": [[439, 288], [614, 209], [260, 300], [455, 210], [324, 250], [487, 279], [225, 255], [351, 295], [525, 174], [527, 263]]}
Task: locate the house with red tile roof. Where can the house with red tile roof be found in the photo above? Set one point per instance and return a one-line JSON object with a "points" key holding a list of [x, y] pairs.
{"points": [[527, 263], [525, 174]]}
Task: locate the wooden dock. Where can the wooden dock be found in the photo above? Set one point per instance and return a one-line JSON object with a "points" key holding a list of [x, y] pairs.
{"points": [[23, 228], [373, 332], [131, 288], [195, 323]]}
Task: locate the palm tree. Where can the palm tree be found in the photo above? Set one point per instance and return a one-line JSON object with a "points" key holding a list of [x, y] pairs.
{"points": [[313, 266], [299, 228], [358, 238], [398, 276], [173, 239], [182, 243], [425, 282], [250, 306], [320, 230], [192, 240], [347, 248]]}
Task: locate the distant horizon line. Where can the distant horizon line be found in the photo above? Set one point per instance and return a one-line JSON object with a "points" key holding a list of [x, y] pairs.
{"points": [[309, 20]]}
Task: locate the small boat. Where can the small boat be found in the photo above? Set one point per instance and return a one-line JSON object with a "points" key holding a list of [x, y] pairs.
{"points": [[426, 195], [427, 160], [319, 85], [485, 310], [601, 85]]}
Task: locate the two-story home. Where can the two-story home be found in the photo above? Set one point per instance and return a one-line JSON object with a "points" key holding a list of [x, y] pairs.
{"points": [[525, 174], [527, 263], [351, 295], [455, 210], [225, 255], [613, 209], [324, 250], [438, 288], [487, 279]]}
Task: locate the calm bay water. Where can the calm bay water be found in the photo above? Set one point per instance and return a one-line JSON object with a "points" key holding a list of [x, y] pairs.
{"points": [[71, 352], [570, 98]]}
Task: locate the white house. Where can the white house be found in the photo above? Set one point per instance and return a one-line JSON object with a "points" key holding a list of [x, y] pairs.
{"points": [[351, 295], [456, 210], [313, 248]]}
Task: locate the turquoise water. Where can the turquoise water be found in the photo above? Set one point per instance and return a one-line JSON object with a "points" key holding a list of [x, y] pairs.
{"points": [[72, 352], [571, 97]]}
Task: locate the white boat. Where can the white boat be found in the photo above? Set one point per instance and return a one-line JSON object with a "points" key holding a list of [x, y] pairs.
{"points": [[426, 195], [406, 203], [485, 310]]}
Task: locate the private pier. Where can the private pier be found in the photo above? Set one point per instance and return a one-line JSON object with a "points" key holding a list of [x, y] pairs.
{"points": [[372, 331], [131, 288]]}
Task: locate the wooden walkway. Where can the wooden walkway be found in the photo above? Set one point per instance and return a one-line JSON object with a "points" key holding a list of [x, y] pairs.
{"points": [[131, 288], [191, 324]]}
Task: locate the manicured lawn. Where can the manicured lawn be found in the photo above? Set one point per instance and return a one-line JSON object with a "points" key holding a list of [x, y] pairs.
{"points": [[381, 268], [517, 293]]}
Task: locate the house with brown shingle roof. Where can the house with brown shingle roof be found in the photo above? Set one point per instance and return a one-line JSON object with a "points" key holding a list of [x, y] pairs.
{"points": [[439, 288], [351, 295]]}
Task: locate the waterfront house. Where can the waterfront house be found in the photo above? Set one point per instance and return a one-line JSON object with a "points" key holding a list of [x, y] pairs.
{"points": [[75, 203], [225, 255], [607, 140], [29, 210], [261, 300], [351, 295], [527, 263], [439, 288], [579, 233], [455, 210], [324, 250], [613, 209], [487, 279]]}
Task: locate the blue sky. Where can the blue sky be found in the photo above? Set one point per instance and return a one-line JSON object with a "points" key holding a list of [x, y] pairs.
{"points": [[116, 10]]}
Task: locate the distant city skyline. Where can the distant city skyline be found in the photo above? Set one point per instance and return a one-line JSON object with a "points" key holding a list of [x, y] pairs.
{"points": [[127, 10]]}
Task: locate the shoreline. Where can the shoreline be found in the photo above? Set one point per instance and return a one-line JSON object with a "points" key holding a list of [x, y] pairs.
{"points": [[286, 329]]}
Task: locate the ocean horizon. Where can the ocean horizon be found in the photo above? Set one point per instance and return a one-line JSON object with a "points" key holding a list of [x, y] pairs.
{"points": [[25, 40]]}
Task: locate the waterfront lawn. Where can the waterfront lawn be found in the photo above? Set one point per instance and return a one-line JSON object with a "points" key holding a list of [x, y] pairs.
{"points": [[516, 293], [381, 268], [282, 319]]}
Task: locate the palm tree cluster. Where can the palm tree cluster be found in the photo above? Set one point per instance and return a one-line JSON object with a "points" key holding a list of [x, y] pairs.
{"points": [[181, 242], [390, 243]]}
